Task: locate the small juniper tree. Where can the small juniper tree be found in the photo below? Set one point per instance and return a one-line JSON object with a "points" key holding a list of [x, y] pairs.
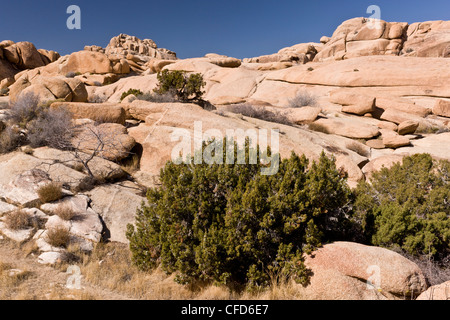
{"points": [[408, 206], [230, 224], [187, 88]]}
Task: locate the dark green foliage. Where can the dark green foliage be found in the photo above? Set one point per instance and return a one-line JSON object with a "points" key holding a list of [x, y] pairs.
{"points": [[230, 224], [135, 92], [185, 87], [408, 206]]}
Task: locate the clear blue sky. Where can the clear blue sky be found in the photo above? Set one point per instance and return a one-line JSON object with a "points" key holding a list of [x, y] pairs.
{"points": [[192, 28]]}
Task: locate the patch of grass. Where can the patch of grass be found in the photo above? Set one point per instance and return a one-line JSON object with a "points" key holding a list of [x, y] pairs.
{"points": [[131, 164], [65, 212], [11, 278], [109, 266], [18, 220], [50, 192], [58, 237], [318, 128]]}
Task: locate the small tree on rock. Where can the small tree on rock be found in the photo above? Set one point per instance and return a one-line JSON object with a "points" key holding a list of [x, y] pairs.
{"points": [[187, 88]]}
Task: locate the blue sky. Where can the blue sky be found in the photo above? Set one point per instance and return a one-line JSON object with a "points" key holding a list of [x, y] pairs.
{"points": [[193, 28]]}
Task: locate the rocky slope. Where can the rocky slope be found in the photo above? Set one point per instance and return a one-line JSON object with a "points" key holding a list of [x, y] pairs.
{"points": [[377, 96]]}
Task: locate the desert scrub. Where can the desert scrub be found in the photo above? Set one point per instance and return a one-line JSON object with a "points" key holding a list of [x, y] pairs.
{"points": [[230, 224], [359, 148], [58, 237], [169, 96], [26, 108], [261, 113], [4, 92], [303, 99], [72, 74], [65, 212], [318, 127], [50, 192], [135, 92], [52, 128], [186, 87], [18, 220], [10, 139]]}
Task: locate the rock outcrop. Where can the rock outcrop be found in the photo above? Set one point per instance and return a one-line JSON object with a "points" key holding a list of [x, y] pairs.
{"points": [[351, 271], [298, 54], [362, 37], [15, 57], [437, 292], [124, 44], [49, 88], [117, 206], [428, 39]]}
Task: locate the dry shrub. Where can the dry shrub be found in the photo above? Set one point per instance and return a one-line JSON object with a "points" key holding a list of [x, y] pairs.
{"points": [[109, 266], [18, 220], [95, 98], [25, 108], [131, 164], [303, 99], [10, 279], [50, 192], [436, 272], [65, 212], [166, 97], [58, 237], [318, 127], [281, 288], [259, 113], [53, 128], [10, 139], [358, 148]]}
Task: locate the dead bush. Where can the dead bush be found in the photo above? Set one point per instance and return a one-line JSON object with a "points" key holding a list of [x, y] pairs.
{"points": [[25, 109], [358, 148], [303, 99], [318, 127], [52, 128], [58, 237], [166, 97], [18, 220], [10, 139], [65, 212], [259, 113]]}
